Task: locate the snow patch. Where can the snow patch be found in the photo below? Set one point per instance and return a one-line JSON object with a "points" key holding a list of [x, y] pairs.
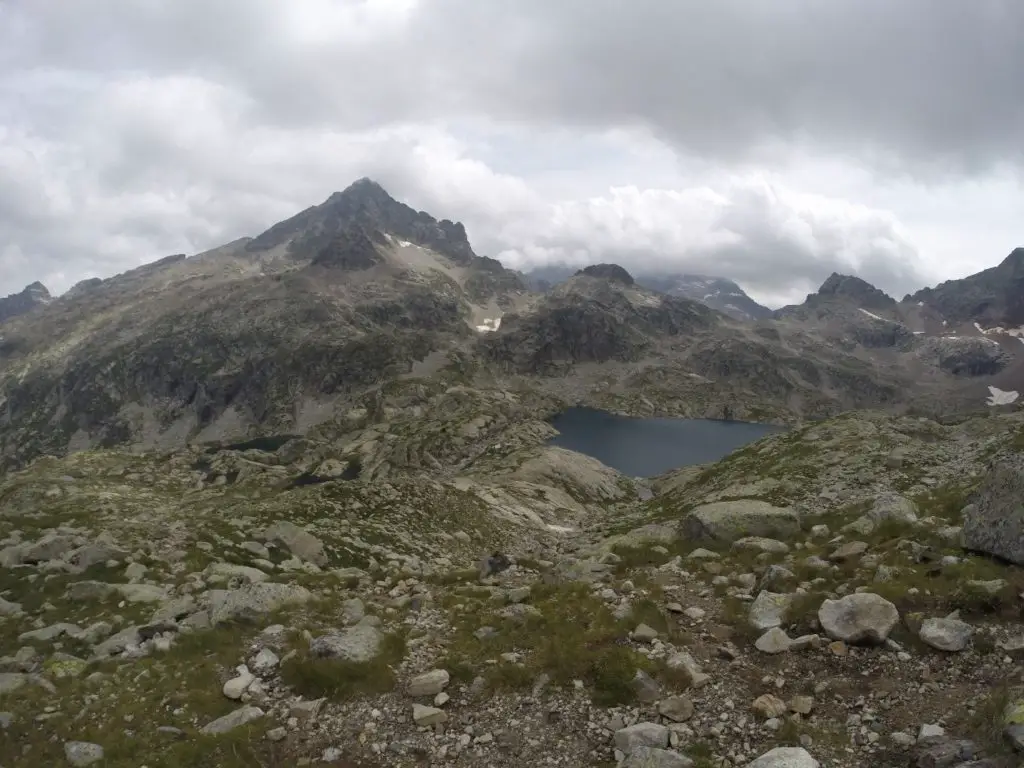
{"points": [[560, 528], [872, 314], [1001, 397], [489, 324]]}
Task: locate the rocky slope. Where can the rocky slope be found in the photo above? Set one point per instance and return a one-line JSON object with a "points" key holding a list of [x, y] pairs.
{"points": [[264, 334], [991, 298], [805, 602], [34, 295]]}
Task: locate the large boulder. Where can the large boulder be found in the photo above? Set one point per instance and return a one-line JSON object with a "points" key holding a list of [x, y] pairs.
{"points": [[358, 644], [994, 522], [861, 618], [727, 521], [252, 601], [298, 541]]}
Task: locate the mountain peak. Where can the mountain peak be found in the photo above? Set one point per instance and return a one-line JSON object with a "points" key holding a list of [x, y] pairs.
{"points": [[612, 272], [364, 190], [848, 286], [24, 301], [366, 205]]}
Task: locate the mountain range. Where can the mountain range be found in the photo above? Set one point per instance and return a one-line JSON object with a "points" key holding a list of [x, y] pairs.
{"points": [[295, 501], [284, 332]]}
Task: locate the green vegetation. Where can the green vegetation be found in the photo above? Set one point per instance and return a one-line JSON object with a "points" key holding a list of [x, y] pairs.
{"points": [[339, 680]]}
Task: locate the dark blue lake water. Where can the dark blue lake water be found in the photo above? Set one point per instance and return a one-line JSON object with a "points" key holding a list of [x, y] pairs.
{"points": [[642, 447]]}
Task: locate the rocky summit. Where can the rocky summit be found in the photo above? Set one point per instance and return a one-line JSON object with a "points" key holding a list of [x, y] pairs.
{"points": [[292, 502]]}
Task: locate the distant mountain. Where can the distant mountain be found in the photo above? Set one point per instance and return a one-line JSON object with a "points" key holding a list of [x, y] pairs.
{"points": [[992, 298], [32, 296], [719, 293]]}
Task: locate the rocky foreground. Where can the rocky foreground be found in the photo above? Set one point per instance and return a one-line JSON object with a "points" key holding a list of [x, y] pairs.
{"points": [[826, 597]]}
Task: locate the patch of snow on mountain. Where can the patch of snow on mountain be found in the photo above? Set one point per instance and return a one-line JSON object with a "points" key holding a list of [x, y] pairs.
{"points": [[1001, 397], [489, 324], [872, 314]]}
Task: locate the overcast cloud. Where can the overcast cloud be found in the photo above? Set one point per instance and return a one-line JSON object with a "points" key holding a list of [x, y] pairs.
{"points": [[771, 141]]}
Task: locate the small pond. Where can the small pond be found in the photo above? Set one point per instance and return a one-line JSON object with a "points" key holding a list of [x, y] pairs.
{"points": [[643, 447]]}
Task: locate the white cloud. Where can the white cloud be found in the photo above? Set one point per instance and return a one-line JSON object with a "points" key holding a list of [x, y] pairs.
{"points": [[131, 132]]}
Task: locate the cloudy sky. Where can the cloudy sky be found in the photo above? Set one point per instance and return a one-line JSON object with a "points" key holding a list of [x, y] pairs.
{"points": [[771, 141]]}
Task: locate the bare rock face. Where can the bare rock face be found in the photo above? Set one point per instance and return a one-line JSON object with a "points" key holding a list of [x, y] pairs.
{"points": [[862, 618], [994, 522]]}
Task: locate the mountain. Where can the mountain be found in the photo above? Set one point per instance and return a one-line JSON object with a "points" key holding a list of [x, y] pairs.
{"points": [[719, 293], [32, 296], [305, 328], [993, 298], [264, 334]]}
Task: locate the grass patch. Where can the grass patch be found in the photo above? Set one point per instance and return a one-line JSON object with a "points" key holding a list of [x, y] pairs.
{"points": [[574, 636], [986, 725], [339, 680]]}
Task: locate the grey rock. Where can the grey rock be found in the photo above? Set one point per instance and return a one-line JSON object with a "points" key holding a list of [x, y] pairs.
{"points": [[236, 719], [90, 590], [360, 643], [100, 551], [893, 507], [428, 716], [7, 608], [6, 718], [644, 633], [645, 687], [251, 601], [352, 611], [785, 757], [126, 639], [727, 521], [848, 551], [15, 681], [774, 641], [50, 547], [298, 541], [641, 735], [135, 572], [215, 572], [142, 593], [50, 633], [863, 617], [768, 610], [174, 609], [686, 664], [10, 557], [678, 709], [946, 634], [81, 753], [429, 683], [994, 522], [943, 752], [238, 685], [761, 544], [264, 662]]}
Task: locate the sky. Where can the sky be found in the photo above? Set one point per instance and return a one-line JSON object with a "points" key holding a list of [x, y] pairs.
{"points": [[769, 141]]}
